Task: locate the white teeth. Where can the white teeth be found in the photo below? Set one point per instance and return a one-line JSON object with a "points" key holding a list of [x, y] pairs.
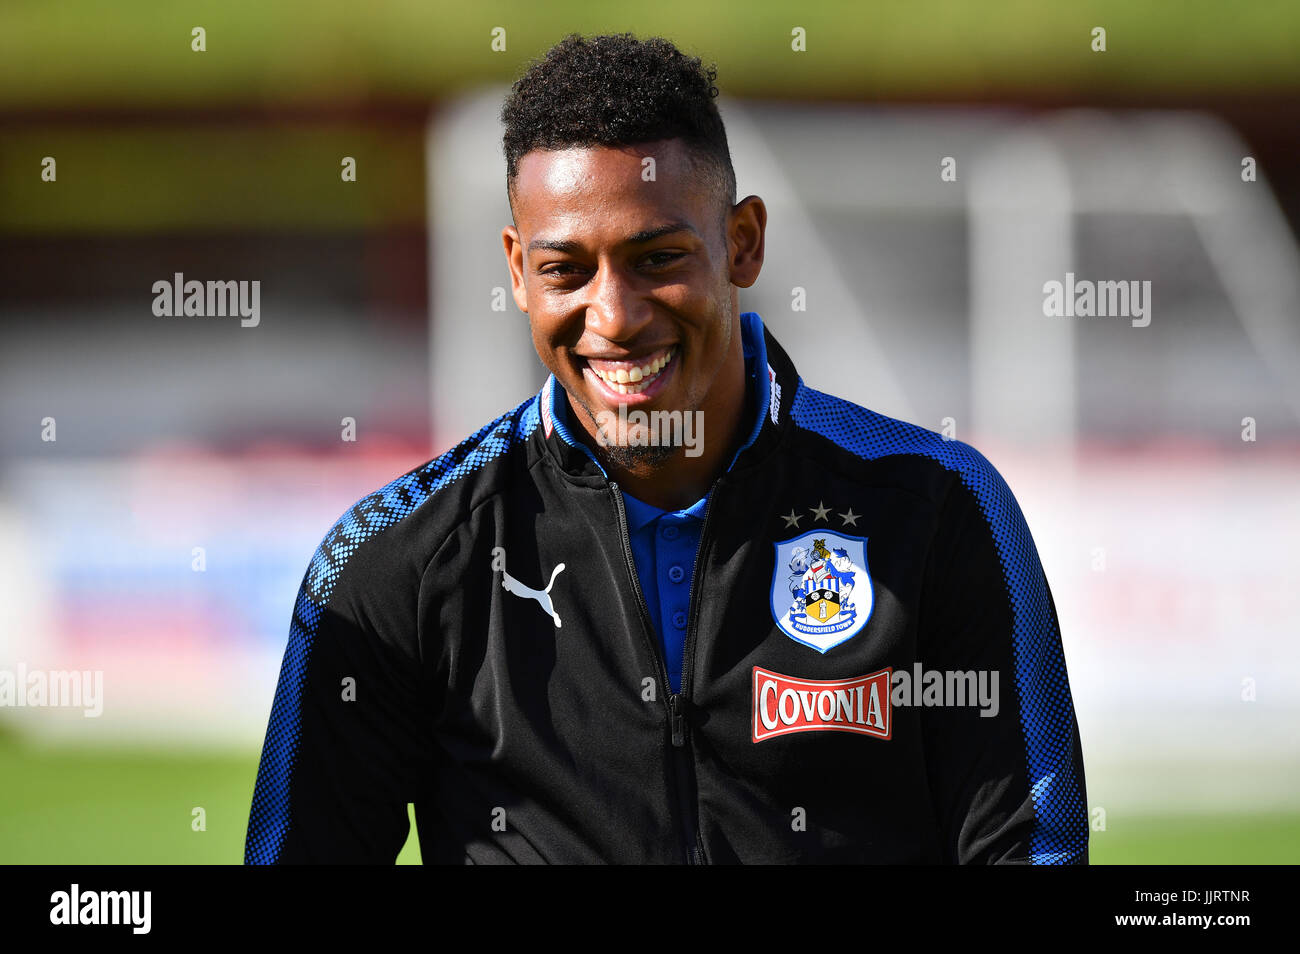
{"points": [[635, 380]]}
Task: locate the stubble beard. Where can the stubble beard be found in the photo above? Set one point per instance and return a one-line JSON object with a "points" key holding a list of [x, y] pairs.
{"points": [[640, 459]]}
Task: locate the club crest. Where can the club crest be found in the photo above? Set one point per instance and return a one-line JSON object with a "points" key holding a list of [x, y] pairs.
{"points": [[821, 590]]}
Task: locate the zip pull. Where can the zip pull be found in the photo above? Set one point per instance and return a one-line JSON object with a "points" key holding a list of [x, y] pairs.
{"points": [[677, 719]]}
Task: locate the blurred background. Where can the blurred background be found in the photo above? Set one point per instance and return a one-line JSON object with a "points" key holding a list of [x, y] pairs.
{"points": [[164, 481]]}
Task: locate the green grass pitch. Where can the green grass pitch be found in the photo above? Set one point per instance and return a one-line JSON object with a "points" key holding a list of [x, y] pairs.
{"points": [[73, 806]]}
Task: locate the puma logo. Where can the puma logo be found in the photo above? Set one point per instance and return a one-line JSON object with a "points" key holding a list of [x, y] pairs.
{"points": [[512, 585]]}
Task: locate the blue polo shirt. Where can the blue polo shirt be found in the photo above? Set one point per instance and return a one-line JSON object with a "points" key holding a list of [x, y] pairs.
{"points": [[664, 546], [665, 542]]}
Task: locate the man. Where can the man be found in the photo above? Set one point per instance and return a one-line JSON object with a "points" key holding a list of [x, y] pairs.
{"points": [[669, 609]]}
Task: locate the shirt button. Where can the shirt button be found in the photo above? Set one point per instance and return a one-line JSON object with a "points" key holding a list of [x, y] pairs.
{"points": [[679, 619], [670, 532], [676, 573]]}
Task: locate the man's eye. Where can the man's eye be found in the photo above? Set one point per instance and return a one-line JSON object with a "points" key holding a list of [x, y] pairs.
{"points": [[662, 258], [560, 268]]}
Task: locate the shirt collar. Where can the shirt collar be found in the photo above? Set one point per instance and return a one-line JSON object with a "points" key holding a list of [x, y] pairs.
{"points": [[640, 513], [757, 383]]}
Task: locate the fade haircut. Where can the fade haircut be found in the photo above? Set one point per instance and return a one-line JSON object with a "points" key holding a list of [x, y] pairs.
{"points": [[616, 90]]}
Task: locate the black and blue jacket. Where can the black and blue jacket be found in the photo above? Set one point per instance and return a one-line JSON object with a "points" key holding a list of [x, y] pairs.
{"points": [[437, 656]]}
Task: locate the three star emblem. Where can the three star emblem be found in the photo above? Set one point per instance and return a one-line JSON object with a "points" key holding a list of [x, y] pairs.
{"points": [[819, 512]]}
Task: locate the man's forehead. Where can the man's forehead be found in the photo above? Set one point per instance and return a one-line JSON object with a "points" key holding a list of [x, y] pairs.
{"points": [[583, 173]]}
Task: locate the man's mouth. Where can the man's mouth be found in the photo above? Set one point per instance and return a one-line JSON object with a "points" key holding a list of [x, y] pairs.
{"points": [[635, 376]]}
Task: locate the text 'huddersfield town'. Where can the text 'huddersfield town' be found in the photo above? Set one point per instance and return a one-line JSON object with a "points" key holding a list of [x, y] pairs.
{"points": [[208, 300]]}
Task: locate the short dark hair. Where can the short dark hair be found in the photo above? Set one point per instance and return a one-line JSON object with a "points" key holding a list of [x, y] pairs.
{"points": [[616, 90]]}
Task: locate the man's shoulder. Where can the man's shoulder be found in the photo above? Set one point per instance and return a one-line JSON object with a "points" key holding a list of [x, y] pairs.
{"points": [[849, 430], [956, 477], [418, 510]]}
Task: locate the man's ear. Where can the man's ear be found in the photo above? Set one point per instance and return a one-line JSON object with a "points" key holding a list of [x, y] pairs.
{"points": [[746, 226], [515, 259]]}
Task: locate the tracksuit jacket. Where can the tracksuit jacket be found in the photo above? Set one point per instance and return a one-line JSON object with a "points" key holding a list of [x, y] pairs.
{"points": [[439, 655]]}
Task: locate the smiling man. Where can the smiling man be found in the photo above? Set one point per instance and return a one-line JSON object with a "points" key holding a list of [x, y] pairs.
{"points": [[679, 606], [629, 275]]}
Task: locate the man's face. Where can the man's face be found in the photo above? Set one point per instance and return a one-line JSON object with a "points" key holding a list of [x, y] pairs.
{"points": [[627, 281]]}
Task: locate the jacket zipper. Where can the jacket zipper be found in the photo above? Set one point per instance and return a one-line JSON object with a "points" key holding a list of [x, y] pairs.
{"points": [[697, 855], [678, 755]]}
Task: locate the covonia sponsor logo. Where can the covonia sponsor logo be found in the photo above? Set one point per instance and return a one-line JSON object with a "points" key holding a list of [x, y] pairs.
{"points": [[783, 704]]}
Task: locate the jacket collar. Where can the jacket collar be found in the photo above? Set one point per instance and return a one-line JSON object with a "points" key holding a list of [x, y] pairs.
{"points": [[771, 382]]}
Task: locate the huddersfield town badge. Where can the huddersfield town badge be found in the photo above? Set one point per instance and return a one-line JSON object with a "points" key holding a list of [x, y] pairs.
{"points": [[821, 590]]}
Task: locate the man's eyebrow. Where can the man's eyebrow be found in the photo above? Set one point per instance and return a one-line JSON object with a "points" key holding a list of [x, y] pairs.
{"points": [[568, 246], [649, 235], [571, 246]]}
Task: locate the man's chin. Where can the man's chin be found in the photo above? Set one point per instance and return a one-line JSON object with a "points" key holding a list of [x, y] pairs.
{"points": [[634, 458], [629, 445]]}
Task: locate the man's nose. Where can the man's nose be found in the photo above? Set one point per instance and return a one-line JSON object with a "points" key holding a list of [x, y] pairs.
{"points": [[616, 311]]}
